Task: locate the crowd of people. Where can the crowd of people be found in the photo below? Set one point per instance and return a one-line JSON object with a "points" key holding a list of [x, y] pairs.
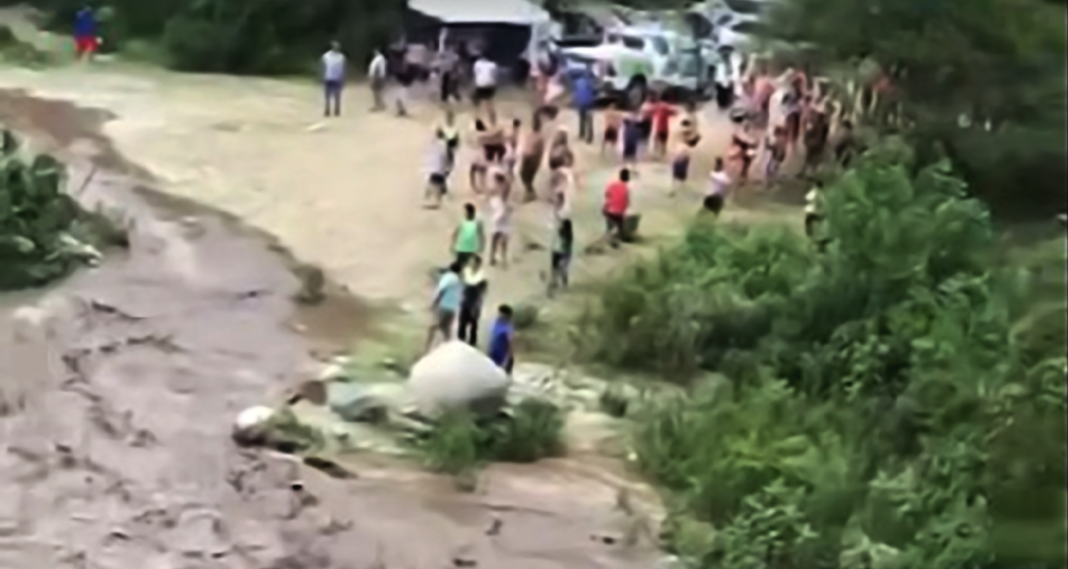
{"points": [[773, 117]]}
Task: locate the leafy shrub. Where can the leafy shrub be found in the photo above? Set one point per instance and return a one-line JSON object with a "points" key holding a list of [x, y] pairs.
{"points": [[460, 442], [38, 220], [902, 404]]}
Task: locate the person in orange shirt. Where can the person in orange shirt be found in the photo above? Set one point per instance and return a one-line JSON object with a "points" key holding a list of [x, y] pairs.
{"points": [[616, 205]]}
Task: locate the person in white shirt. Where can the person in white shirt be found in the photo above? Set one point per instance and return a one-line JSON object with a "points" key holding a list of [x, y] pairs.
{"points": [[485, 72], [376, 72], [333, 62]]}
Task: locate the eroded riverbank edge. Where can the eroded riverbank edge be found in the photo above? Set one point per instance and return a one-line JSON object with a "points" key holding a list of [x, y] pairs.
{"points": [[125, 409]]}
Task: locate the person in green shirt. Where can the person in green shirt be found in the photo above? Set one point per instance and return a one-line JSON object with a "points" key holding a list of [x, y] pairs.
{"points": [[468, 239]]}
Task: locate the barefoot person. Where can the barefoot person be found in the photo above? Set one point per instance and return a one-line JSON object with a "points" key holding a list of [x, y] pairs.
{"points": [[86, 37], [743, 150], [560, 158], [530, 156], [468, 239], [485, 72], [446, 305], [563, 243], [333, 62]]}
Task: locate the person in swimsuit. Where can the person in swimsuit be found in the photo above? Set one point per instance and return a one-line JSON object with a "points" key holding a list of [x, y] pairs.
{"points": [[613, 121], [531, 156], [500, 218]]}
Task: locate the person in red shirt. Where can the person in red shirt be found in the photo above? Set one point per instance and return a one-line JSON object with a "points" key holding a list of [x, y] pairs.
{"points": [[616, 204], [661, 114]]}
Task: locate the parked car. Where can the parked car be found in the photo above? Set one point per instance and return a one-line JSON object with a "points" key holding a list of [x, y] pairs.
{"points": [[629, 61]]}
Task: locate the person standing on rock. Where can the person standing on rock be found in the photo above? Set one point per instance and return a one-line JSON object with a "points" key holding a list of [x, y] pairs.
{"points": [[333, 79], [475, 285], [86, 40], [446, 305]]}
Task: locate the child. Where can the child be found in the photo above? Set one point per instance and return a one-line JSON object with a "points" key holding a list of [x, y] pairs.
{"points": [[613, 120], [563, 243], [500, 220], [718, 182], [502, 340], [440, 165], [775, 144]]}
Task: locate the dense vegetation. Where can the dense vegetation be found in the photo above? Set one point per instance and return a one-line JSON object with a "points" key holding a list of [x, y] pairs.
{"points": [[895, 401], [242, 36], [460, 442], [981, 81], [44, 234]]}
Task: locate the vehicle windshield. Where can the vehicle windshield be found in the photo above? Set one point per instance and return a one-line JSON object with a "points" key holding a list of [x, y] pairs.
{"points": [[660, 45], [689, 63], [632, 42]]}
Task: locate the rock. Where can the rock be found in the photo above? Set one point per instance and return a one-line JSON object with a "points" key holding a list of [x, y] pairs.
{"points": [[30, 323], [456, 375], [354, 402], [250, 427]]}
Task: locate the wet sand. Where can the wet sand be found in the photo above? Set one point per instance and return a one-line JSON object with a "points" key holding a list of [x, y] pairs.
{"points": [[116, 409]]}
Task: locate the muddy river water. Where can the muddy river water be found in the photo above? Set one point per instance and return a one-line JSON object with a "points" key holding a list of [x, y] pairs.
{"points": [[116, 406]]}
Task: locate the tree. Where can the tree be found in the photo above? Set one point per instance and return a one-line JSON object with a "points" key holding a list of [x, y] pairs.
{"points": [[982, 81]]}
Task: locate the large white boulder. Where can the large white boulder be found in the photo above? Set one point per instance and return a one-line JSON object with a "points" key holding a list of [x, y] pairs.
{"points": [[456, 375]]}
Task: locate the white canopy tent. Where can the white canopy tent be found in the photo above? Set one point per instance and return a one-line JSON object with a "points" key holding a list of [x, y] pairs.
{"points": [[516, 12]]}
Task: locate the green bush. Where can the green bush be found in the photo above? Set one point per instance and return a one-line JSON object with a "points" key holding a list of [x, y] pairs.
{"points": [[460, 442], [43, 232], [902, 403]]}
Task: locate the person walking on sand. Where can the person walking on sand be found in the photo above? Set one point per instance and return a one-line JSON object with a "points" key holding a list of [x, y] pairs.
{"points": [[474, 280], [446, 305], [376, 74], [485, 72], [333, 62], [86, 38], [613, 123], [468, 239], [530, 156], [502, 340], [440, 166], [500, 219], [563, 243]]}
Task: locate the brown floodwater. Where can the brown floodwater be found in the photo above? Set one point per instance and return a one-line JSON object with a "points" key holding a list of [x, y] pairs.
{"points": [[115, 412]]}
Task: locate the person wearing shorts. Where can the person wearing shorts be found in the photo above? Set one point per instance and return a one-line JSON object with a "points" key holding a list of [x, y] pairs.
{"points": [[632, 135], [446, 305], [86, 40], [718, 182], [616, 204], [485, 80]]}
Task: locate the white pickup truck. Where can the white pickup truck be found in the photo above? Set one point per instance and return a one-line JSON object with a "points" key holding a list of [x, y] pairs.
{"points": [[630, 61]]}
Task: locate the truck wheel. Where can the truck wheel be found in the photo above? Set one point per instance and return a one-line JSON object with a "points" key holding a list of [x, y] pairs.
{"points": [[637, 90]]}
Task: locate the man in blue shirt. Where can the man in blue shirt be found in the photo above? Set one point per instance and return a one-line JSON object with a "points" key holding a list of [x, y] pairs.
{"points": [[501, 345], [584, 97], [85, 33]]}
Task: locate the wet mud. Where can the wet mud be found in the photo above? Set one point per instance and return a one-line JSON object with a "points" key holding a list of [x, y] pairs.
{"points": [[118, 388]]}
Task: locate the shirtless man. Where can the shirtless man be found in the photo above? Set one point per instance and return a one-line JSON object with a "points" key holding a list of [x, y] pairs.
{"points": [[531, 153]]}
